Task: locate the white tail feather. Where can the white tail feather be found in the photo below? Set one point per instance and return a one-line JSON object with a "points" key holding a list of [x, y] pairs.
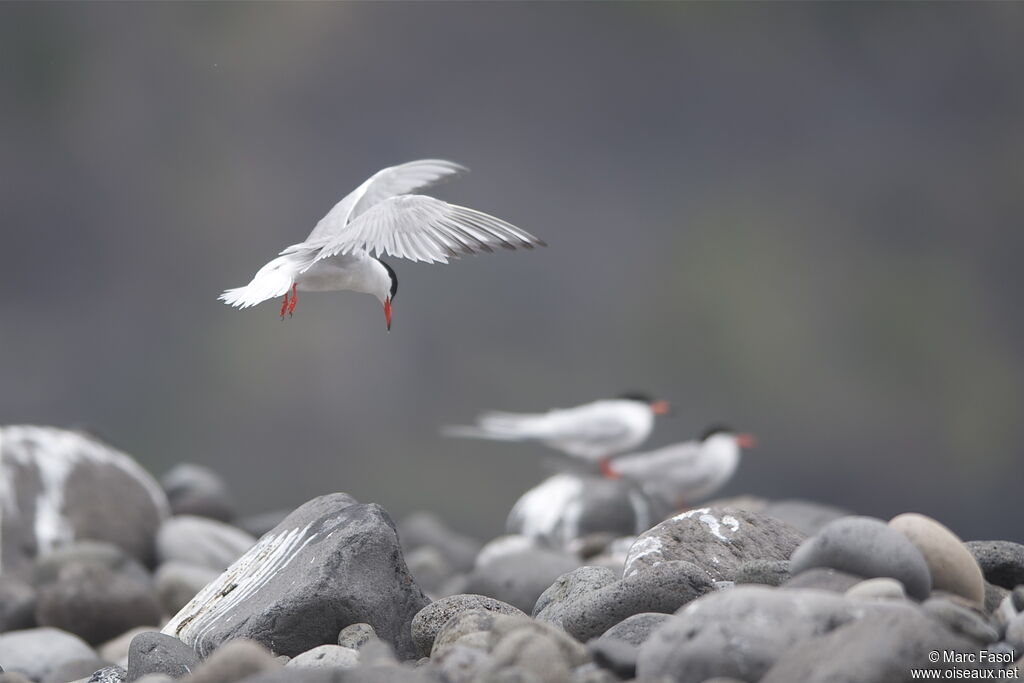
{"points": [[272, 280]]}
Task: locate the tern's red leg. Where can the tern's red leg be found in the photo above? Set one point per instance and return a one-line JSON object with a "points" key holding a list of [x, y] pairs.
{"points": [[295, 298], [284, 305], [607, 470]]}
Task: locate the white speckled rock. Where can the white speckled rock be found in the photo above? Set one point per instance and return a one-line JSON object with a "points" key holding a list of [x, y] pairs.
{"points": [[57, 486], [719, 540], [952, 565]]}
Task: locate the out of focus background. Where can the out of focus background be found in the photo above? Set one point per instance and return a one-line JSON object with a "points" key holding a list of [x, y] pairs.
{"points": [[801, 219]]}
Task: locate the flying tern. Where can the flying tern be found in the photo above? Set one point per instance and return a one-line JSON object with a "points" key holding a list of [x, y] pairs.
{"points": [[381, 216]]}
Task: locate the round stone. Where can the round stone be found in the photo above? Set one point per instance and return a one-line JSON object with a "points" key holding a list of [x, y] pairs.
{"points": [[952, 566]]}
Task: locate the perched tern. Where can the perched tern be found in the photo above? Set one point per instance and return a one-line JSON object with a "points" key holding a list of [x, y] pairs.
{"points": [[381, 216], [685, 472], [593, 432]]}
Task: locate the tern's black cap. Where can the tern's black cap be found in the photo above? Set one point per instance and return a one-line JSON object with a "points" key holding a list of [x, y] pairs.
{"points": [[716, 429], [636, 396]]}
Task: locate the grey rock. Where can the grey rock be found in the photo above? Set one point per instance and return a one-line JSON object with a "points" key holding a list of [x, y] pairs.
{"points": [[156, 678], [429, 620], [718, 540], [662, 588], [1002, 562], [483, 629], [116, 649], [1015, 632], [570, 586], [325, 657], [17, 604], [511, 674], [960, 619], [259, 524], [49, 567], [426, 529], [377, 652], [202, 542], [866, 547], [236, 660], [592, 673], [156, 653], [69, 479], [75, 670], [354, 636], [824, 578], [637, 628], [878, 647], [461, 664], [177, 583], [109, 674], [879, 588], [741, 632], [474, 623], [570, 506], [14, 677], [197, 490], [532, 651], [1018, 598], [429, 568], [519, 578], [37, 652], [615, 655], [331, 563], [993, 596], [96, 603], [764, 572]]}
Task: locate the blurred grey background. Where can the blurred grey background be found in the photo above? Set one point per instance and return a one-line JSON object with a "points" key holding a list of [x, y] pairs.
{"points": [[801, 219]]}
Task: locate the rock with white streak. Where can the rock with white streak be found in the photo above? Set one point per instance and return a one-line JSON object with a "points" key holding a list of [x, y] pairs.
{"points": [[57, 486], [331, 563], [719, 540]]}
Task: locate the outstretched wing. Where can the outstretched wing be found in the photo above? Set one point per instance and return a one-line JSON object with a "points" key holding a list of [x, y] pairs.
{"points": [[422, 228], [388, 182]]}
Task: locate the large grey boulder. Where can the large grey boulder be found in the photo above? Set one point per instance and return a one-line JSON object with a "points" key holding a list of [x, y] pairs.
{"points": [[719, 540], [59, 486], [331, 563], [740, 633], [37, 652]]}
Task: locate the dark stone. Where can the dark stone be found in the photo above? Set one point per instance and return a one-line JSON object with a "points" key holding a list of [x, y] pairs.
{"points": [[429, 620], [569, 506], [76, 669], [661, 588], [878, 647], [824, 578], [48, 568], [567, 588], [156, 653], [960, 619], [866, 547], [742, 632], [354, 636], [331, 563], [763, 572], [97, 604], [425, 529], [197, 490], [520, 577], [80, 487], [1002, 562], [637, 628], [17, 604], [615, 655], [202, 542], [37, 652], [719, 540], [235, 661]]}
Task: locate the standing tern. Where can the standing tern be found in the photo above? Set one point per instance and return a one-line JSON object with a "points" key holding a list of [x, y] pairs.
{"points": [[593, 431], [685, 472], [381, 216]]}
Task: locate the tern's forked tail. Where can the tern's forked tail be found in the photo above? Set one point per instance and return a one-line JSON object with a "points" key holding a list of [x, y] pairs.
{"points": [[272, 280]]}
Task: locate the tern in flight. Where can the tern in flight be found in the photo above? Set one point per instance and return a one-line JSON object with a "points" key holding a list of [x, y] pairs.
{"points": [[381, 216]]}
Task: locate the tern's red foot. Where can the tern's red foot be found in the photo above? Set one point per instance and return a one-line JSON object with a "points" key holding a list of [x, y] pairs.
{"points": [[607, 470], [295, 299], [284, 305]]}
